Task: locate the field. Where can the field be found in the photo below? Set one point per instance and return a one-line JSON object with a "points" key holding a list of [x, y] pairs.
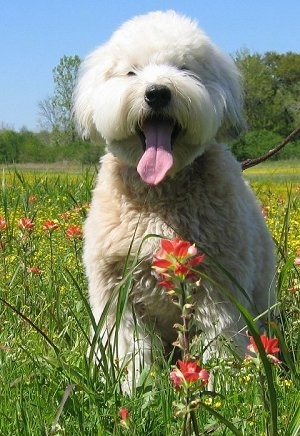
{"points": [[48, 383]]}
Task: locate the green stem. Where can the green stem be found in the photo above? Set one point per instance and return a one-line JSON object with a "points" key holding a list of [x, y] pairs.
{"points": [[185, 334], [184, 425], [195, 423], [2, 249], [264, 399], [51, 258]]}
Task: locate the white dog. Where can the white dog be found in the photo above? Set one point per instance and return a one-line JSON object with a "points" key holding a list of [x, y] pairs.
{"points": [[162, 95]]}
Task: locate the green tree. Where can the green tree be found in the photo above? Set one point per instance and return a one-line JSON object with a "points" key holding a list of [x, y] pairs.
{"points": [[56, 111], [9, 146], [272, 90], [259, 89]]}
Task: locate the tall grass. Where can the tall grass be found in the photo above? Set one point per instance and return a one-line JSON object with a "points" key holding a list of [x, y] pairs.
{"points": [[48, 381]]}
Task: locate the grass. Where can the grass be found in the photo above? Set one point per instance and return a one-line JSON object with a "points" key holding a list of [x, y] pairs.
{"points": [[276, 172], [48, 383]]}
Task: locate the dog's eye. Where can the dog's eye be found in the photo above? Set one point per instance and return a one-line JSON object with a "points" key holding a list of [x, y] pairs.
{"points": [[131, 73]]}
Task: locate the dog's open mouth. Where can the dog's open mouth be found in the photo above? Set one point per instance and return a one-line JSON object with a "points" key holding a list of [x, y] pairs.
{"points": [[158, 135]]}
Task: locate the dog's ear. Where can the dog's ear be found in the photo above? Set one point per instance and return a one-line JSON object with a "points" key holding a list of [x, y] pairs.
{"points": [[230, 130], [93, 71], [233, 122]]}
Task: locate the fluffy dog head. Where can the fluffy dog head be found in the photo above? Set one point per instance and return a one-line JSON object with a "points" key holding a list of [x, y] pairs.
{"points": [[159, 91]]}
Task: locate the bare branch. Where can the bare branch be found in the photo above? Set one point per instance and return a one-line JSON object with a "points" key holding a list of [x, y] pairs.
{"points": [[47, 115], [252, 162]]}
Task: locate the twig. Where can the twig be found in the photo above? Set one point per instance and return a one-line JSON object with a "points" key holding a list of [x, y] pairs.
{"points": [[252, 162]]}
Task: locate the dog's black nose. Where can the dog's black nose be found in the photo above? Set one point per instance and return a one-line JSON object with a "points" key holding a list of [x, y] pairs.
{"points": [[157, 96]]}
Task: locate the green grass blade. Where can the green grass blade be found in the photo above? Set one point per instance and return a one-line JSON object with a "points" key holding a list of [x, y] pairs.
{"points": [[222, 419], [293, 428], [35, 327]]}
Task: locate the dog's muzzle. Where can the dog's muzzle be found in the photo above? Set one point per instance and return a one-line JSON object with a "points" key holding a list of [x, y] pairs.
{"points": [[157, 96]]}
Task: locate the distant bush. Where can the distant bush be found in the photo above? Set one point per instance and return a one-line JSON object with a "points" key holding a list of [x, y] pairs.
{"points": [[25, 147], [257, 142], [10, 142]]}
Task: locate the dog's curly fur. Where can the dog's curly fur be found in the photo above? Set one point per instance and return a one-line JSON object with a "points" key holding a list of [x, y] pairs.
{"points": [[162, 95]]}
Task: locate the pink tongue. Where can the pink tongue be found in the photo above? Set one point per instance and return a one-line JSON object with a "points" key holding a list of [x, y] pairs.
{"points": [[157, 158]]}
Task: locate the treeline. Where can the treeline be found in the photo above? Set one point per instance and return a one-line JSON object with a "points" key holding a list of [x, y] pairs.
{"points": [[272, 103], [272, 111], [29, 147], [43, 147]]}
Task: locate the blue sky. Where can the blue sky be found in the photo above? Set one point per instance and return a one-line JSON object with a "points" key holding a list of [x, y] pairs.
{"points": [[35, 34]]}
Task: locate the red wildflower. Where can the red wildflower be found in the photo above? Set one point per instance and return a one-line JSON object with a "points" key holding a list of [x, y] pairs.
{"points": [[32, 198], [3, 224], [270, 346], [204, 376], [74, 232], [182, 250], [176, 378], [181, 270], [190, 372], [26, 224], [297, 261], [34, 270], [124, 415], [176, 257], [166, 284], [50, 226]]}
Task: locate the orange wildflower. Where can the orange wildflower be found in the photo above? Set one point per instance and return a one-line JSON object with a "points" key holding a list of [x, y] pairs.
{"points": [[26, 224], [74, 232], [3, 224], [34, 270], [32, 198], [50, 226]]}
